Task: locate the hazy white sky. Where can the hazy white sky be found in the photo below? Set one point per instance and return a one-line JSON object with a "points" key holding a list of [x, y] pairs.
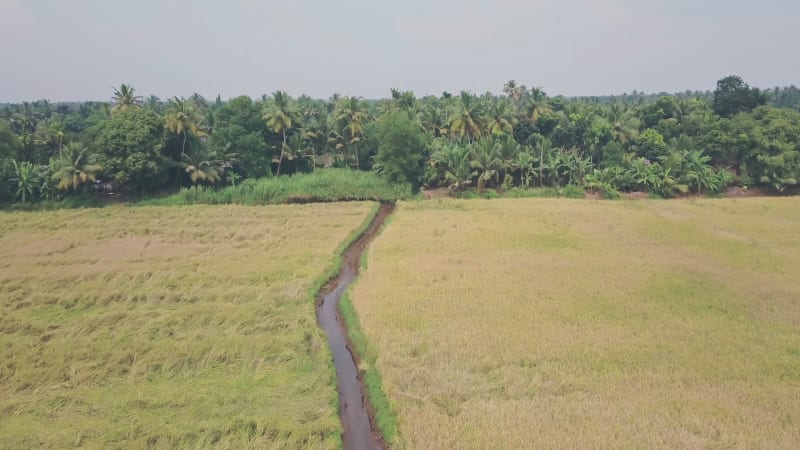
{"points": [[78, 49]]}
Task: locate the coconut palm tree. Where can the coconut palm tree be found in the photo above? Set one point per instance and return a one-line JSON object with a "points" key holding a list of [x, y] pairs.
{"points": [[507, 152], [455, 159], [434, 120], [545, 149], [465, 120], [624, 123], [75, 168], [513, 91], [280, 116], [501, 118], [207, 165], [182, 119], [125, 98], [350, 118], [485, 159], [536, 105]]}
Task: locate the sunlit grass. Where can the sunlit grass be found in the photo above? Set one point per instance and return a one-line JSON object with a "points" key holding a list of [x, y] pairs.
{"points": [[538, 323], [168, 327]]}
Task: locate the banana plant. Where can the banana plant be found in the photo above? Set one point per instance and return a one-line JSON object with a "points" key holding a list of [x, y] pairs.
{"points": [[25, 179]]}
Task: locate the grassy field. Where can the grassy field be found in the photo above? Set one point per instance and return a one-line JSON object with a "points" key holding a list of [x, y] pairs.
{"points": [[160, 327], [538, 323]]}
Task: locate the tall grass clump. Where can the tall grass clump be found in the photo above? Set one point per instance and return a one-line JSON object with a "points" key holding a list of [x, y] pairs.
{"points": [[326, 185]]}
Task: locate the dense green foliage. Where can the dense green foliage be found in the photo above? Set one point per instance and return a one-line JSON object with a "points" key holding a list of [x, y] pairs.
{"points": [[401, 149], [130, 144], [663, 144]]}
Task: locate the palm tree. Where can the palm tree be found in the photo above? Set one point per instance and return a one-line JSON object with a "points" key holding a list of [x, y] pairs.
{"points": [[350, 119], [624, 123], [434, 120], [207, 165], [75, 168], [280, 116], [182, 119], [486, 161], [507, 152], [513, 90], [124, 98], [537, 105], [501, 118], [465, 120], [545, 147], [455, 159], [525, 161], [315, 134]]}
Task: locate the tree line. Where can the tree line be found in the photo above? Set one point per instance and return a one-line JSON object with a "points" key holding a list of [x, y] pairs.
{"points": [[664, 145]]}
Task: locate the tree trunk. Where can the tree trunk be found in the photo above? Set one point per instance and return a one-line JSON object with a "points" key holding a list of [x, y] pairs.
{"points": [[178, 169], [541, 167], [280, 159]]}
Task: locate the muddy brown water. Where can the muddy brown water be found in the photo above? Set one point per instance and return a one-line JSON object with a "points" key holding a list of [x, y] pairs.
{"points": [[360, 431]]}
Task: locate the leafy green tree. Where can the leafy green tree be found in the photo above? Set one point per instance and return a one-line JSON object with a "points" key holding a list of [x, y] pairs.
{"points": [[651, 145], [402, 149], [733, 96], [772, 140], [238, 123], [9, 145], [129, 147]]}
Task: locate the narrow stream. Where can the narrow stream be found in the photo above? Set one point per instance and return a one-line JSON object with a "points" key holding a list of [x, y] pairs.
{"points": [[358, 425]]}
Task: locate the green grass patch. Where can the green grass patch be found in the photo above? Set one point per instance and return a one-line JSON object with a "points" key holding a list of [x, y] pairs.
{"points": [[324, 185]]}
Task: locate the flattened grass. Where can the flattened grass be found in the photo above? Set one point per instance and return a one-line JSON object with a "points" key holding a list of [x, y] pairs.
{"points": [[168, 327], [562, 324]]}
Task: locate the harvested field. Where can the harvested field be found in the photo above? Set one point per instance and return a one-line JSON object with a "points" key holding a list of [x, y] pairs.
{"points": [[158, 327], [570, 324]]}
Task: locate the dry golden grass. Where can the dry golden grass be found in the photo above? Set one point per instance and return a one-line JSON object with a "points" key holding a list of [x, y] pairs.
{"points": [[158, 327], [575, 324]]}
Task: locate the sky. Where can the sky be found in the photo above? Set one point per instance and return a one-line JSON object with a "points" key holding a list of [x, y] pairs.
{"points": [[69, 50]]}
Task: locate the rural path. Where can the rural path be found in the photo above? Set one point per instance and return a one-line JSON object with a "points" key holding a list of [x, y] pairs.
{"points": [[358, 422]]}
